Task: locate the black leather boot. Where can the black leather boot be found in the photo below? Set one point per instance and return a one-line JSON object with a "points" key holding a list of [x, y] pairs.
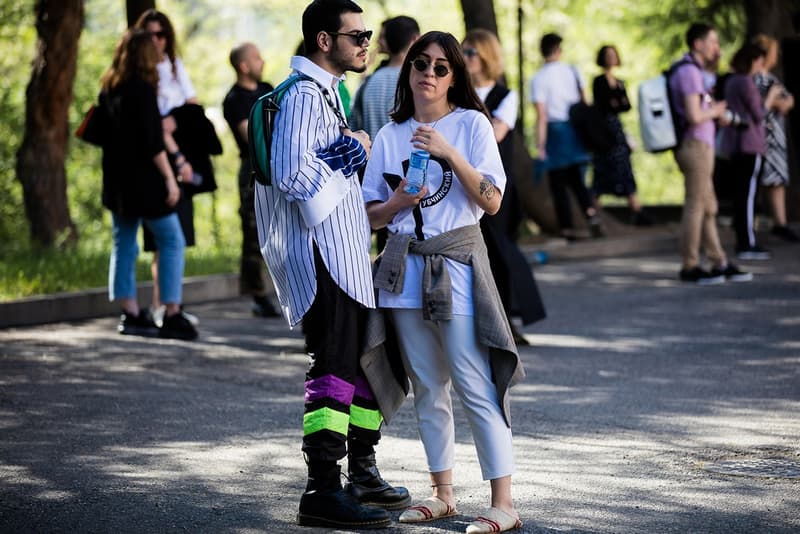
{"points": [[368, 487], [326, 504]]}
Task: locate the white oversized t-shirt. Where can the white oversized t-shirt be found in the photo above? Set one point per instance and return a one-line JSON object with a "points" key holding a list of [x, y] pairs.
{"points": [[174, 89], [446, 206]]}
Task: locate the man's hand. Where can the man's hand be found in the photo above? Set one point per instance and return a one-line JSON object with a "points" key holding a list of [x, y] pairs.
{"points": [[361, 136]]}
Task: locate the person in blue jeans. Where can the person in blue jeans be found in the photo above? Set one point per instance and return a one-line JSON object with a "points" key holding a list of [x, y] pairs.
{"points": [[139, 186]]}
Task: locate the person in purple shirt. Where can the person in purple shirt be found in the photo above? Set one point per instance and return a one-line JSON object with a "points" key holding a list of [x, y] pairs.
{"points": [[744, 143], [695, 113]]}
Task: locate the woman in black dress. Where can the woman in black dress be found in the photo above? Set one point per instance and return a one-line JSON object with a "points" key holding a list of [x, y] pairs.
{"points": [[613, 174]]}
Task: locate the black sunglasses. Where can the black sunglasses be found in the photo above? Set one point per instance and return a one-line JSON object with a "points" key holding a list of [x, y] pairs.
{"points": [[438, 69], [159, 34], [359, 37]]}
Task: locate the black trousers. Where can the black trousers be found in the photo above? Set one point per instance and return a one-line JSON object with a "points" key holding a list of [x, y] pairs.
{"points": [[569, 177], [252, 272], [334, 331], [744, 169]]}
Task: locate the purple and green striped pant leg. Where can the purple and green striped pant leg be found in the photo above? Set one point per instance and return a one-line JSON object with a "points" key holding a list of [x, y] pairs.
{"points": [[327, 417], [365, 419]]}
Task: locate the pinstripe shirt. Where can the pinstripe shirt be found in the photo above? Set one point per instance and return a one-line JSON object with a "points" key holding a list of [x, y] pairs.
{"points": [[315, 199]]}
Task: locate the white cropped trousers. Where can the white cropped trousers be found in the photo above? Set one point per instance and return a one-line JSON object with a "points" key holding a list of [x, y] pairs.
{"points": [[437, 354]]}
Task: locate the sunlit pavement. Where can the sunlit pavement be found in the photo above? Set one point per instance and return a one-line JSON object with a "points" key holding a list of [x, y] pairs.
{"points": [[642, 393]]}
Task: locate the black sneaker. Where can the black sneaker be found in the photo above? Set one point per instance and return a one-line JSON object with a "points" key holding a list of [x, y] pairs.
{"points": [[753, 253], [732, 273], [700, 277], [640, 218], [137, 325], [262, 307], [785, 233], [177, 326]]}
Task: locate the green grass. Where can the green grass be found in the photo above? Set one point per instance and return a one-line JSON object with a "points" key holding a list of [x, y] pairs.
{"points": [[28, 271]]}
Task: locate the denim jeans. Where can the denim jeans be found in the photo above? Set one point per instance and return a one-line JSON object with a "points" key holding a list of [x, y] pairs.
{"points": [[122, 266]]}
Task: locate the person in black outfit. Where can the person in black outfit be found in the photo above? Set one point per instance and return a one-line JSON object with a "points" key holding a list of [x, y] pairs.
{"points": [[139, 185], [511, 271], [613, 174], [248, 64]]}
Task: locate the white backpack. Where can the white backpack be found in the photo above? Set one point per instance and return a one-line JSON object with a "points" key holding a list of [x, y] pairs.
{"points": [[655, 115], [657, 123]]}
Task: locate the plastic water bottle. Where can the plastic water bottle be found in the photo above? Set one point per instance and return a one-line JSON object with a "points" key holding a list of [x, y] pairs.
{"points": [[417, 167]]}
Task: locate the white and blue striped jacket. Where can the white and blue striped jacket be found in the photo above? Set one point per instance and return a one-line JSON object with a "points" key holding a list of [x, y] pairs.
{"points": [[315, 198]]}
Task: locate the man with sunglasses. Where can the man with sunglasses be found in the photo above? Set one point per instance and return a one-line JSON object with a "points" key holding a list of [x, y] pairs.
{"points": [[315, 239]]}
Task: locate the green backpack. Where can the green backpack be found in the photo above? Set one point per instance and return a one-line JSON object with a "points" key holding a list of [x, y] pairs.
{"points": [[259, 128]]}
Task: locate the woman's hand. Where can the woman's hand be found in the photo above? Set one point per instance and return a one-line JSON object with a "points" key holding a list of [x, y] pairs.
{"points": [[427, 138], [381, 213], [173, 192], [185, 171]]}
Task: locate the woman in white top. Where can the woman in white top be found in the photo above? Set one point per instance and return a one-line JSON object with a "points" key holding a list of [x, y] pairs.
{"points": [[438, 111], [512, 272], [174, 90]]}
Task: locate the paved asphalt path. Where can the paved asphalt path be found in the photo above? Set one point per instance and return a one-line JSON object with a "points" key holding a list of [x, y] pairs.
{"points": [[637, 387]]}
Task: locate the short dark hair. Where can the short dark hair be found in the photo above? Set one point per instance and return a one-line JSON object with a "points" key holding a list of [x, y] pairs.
{"points": [[399, 32], [549, 44], [601, 56], [698, 30], [462, 94], [324, 16], [743, 59]]}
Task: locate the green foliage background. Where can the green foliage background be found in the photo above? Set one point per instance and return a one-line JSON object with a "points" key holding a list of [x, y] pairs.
{"points": [[648, 35]]}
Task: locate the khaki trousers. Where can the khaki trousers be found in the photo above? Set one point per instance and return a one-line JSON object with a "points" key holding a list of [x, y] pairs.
{"points": [[699, 221]]}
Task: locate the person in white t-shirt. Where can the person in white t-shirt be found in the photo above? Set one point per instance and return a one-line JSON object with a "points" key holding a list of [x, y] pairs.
{"points": [[438, 111], [512, 272], [174, 90], [555, 88]]}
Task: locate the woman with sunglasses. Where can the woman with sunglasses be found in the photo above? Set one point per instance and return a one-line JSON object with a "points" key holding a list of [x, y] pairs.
{"points": [[512, 273], [139, 187], [434, 278], [174, 90]]}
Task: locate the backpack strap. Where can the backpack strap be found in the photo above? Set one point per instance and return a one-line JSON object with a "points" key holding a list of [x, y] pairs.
{"points": [[495, 97], [681, 124], [578, 83]]}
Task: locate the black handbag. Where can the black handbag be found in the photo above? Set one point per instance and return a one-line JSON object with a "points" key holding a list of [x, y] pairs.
{"points": [[590, 125], [94, 126]]}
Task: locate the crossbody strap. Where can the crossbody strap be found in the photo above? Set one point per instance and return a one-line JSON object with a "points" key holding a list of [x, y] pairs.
{"points": [[578, 83]]}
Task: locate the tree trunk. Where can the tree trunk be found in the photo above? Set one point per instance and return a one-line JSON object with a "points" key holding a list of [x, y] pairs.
{"points": [[774, 18], [135, 8], [479, 14], [41, 157]]}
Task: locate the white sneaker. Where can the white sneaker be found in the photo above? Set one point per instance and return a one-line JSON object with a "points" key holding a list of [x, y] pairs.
{"points": [[158, 316]]}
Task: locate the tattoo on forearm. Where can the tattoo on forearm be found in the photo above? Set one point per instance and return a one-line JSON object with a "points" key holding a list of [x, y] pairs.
{"points": [[487, 189]]}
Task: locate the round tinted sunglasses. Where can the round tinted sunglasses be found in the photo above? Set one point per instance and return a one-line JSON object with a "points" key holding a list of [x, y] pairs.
{"points": [[161, 34], [422, 66], [359, 37]]}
